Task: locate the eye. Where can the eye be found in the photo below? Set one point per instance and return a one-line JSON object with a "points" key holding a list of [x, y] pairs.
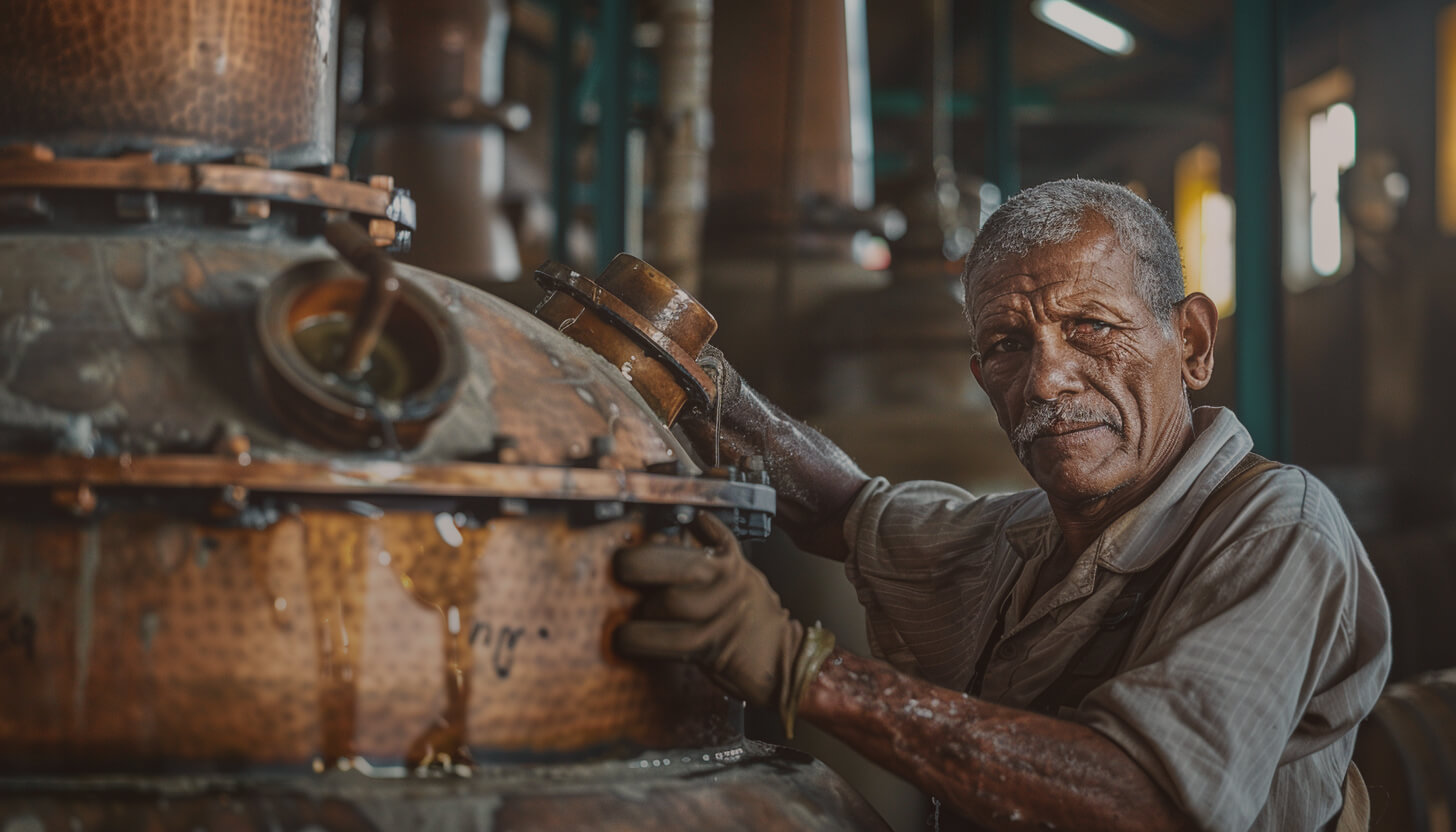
{"points": [[1003, 345], [1090, 326]]}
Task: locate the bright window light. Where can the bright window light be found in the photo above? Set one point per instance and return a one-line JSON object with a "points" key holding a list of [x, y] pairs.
{"points": [[1331, 152], [1092, 29], [1203, 219]]}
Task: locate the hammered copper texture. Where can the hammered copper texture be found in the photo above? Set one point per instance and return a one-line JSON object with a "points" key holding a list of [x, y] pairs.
{"points": [[192, 79], [148, 339], [400, 638]]}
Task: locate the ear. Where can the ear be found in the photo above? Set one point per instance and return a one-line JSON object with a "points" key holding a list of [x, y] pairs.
{"points": [[1195, 323], [976, 369]]}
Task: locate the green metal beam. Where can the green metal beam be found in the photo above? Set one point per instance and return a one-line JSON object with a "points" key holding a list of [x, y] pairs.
{"points": [[1258, 324], [565, 115], [613, 56], [1001, 163]]}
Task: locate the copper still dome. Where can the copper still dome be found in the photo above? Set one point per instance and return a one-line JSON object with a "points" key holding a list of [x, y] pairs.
{"points": [[251, 582]]}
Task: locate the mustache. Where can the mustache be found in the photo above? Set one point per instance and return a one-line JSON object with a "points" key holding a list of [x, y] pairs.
{"points": [[1042, 416]]}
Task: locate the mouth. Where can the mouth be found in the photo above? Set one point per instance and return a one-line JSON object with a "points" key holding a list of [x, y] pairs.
{"points": [[1062, 429]]}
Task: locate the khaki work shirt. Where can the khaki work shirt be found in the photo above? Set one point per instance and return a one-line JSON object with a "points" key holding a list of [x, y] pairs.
{"points": [[1245, 680]]}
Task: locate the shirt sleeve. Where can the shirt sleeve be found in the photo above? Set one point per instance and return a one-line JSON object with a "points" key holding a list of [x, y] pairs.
{"points": [[1273, 649], [922, 561]]}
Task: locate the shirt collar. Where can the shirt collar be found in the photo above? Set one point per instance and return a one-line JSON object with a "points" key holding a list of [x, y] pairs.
{"points": [[1137, 538]]}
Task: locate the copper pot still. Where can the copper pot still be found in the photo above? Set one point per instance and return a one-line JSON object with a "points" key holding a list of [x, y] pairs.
{"points": [[293, 536]]}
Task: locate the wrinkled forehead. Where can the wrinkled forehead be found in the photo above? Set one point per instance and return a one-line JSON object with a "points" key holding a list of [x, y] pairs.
{"points": [[1093, 264]]}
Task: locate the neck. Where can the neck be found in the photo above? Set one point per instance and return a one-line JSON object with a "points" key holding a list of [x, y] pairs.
{"points": [[1082, 522]]}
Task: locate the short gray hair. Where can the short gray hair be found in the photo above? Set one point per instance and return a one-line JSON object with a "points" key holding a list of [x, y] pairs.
{"points": [[1056, 212]]}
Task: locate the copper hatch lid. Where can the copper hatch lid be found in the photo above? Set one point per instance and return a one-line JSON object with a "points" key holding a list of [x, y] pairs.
{"points": [[644, 324]]}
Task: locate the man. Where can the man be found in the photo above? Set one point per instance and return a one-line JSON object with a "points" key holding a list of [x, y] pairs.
{"points": [[1166, 634]]}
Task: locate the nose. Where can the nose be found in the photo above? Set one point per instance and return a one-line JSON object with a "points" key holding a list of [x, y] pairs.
{"points": [[1054, 370]]}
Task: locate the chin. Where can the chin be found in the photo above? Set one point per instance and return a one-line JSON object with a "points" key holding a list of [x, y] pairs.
{"points": [[1077, 481]]}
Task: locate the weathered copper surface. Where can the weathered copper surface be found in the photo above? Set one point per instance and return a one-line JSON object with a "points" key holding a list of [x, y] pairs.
{"points": [[390, 212], [364, 478], [337, 632], [308, 316], [190, 80], [641, 322], [748, 787], [142, 343]]}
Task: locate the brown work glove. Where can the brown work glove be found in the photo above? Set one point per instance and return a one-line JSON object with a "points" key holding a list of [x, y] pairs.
{"points": [[727, 380], [712, 607]]}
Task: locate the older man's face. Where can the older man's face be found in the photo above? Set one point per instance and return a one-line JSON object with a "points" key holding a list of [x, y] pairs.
{"points": [[1085, 381]]}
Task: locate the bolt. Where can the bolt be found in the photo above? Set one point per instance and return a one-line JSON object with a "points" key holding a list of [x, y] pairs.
{"points": [[382, 232], [230, 502], [136, 206], [27, 150], [235, 444], [80, 500], [505, 450], [724, 472], [25, 206], [602, 446], [249, 211], [252, 159]]}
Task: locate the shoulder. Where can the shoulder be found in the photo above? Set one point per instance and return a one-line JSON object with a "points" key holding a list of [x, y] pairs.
{"points": [[1287, 500]]}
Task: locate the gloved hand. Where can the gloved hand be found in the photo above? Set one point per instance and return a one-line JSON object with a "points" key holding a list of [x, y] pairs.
{"points": [[729, 384], [712, 607]]}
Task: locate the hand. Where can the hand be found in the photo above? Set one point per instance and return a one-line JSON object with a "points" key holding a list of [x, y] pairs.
{"points": [[712, 607], [727, 380]]}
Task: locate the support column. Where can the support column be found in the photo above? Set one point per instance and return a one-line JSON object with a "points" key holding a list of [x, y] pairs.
{"points": [[614, 54], [564, 125], [1258, 80], [1001, 163]]}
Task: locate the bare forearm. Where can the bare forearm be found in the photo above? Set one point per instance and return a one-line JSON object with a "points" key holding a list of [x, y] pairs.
{"points": [[1002, 767], [815, 480]]}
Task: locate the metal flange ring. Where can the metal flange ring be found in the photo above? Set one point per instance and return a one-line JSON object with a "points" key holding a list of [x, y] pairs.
{"points": [[557, 277]]}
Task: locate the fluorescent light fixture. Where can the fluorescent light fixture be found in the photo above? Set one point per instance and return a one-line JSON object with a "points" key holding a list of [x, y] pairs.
{"points": [[1092, 29]]}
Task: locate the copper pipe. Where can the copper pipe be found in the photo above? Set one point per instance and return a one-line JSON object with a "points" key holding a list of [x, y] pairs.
{"points": [[358, 249], [686, 60]]}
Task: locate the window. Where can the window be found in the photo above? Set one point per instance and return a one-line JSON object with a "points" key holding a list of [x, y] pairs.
{"points": [[1331, 153], [1203, 219], [1317, 137]]}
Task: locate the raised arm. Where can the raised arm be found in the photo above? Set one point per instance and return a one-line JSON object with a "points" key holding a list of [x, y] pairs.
{"points": [[816, 481]]}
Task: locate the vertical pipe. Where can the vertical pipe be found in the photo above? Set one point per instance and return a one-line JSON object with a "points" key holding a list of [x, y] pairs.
{"points": [[564, 125], [687, 134], [1258, 80], [938, 89], [1001, 162], [614, 52], [790, 205]]}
